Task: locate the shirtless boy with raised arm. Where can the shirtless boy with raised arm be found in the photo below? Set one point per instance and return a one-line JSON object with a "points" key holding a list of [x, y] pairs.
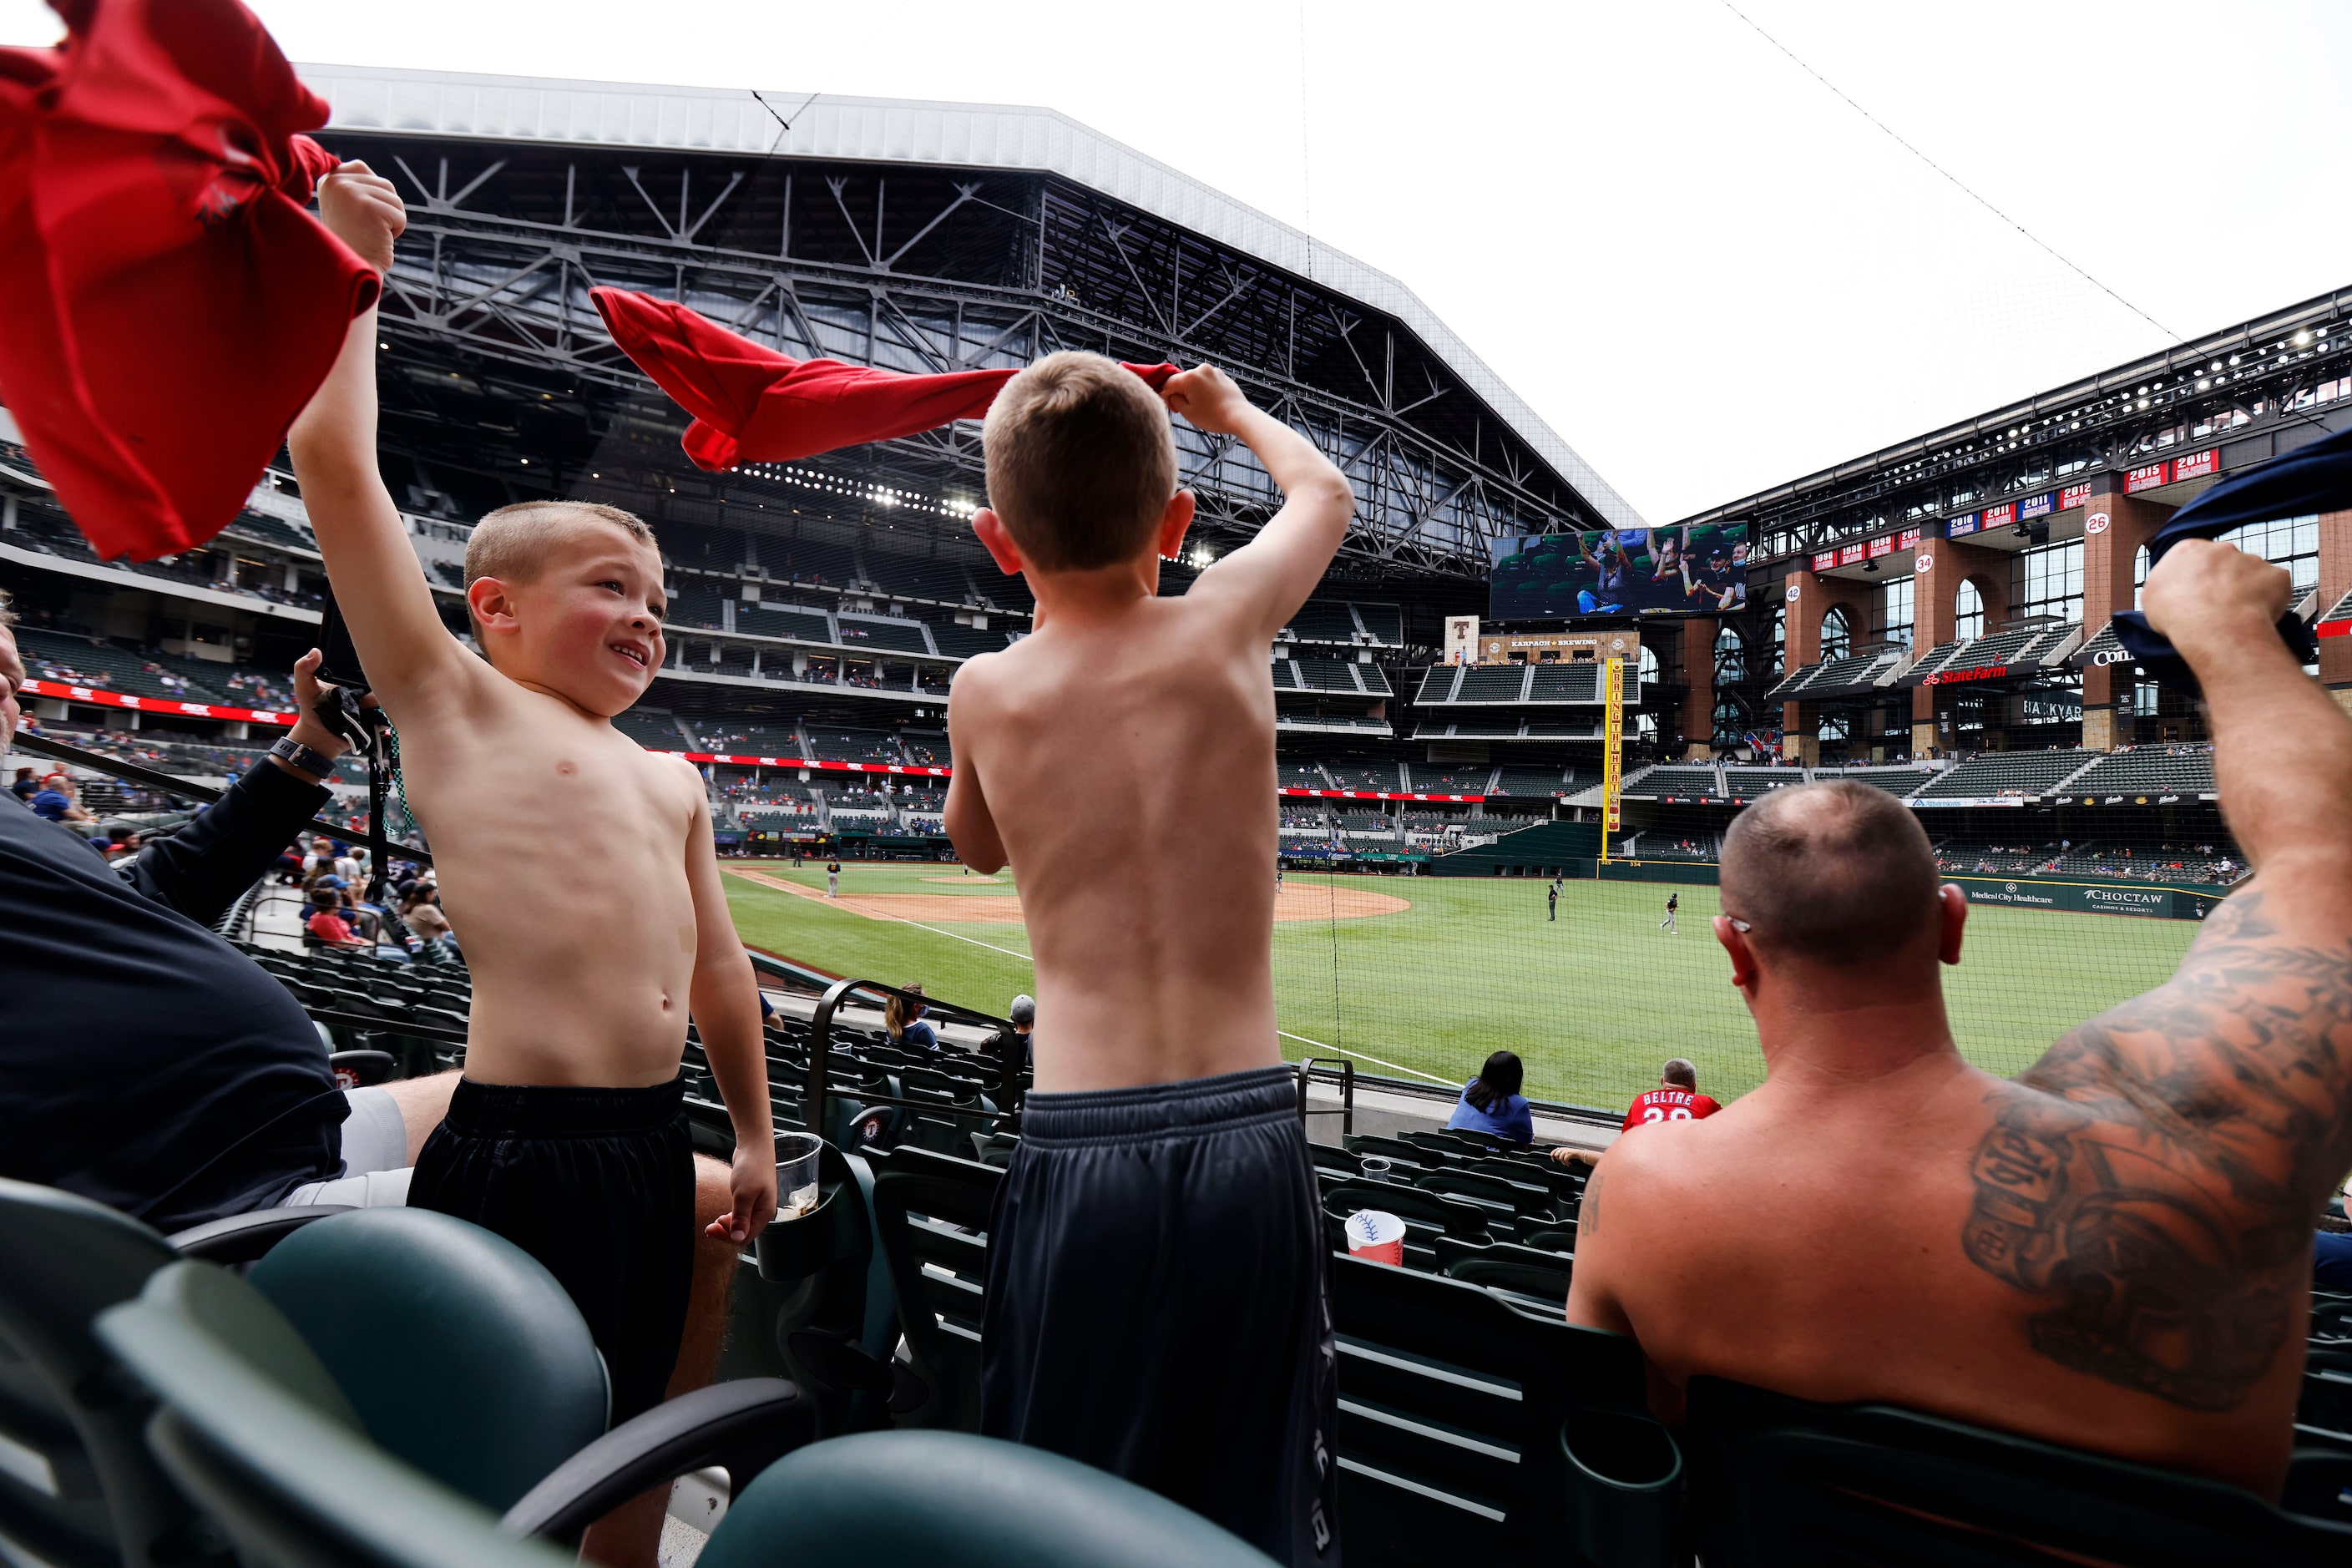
{"points": [[567, 1133], [1156, 1301], [2112, 1249]]}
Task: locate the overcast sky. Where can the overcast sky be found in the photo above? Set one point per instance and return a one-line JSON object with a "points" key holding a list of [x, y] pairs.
{"points": [[1704, 269]]}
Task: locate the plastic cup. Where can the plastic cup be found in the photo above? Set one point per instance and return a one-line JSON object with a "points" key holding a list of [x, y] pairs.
{"points": [[1376, 1167], [796, 1184], [1376, 1236]]}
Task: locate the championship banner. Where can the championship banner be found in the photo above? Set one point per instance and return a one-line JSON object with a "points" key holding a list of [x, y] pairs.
{"points": [[1612, 751], [97, 695]]}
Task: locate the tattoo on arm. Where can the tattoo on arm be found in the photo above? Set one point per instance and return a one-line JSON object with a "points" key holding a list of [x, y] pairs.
{"points": [[2158, 1172], [1588, 1208]]}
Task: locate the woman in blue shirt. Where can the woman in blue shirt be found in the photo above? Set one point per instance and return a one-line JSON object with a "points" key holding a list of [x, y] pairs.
{"points": [[1491, 1103], [903, 1020]]}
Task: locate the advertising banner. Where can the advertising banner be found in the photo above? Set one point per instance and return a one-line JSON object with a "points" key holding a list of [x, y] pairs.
{"points": [[2072, 897]]}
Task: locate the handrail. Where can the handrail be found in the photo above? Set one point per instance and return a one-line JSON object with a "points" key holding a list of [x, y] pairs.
{"points": [[819, 1068], [1347, 1110], [172, 783]]}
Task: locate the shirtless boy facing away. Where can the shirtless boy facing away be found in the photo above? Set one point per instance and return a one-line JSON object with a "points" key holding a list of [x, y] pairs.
{"points": [[567, 1134], [1155, 1297]]}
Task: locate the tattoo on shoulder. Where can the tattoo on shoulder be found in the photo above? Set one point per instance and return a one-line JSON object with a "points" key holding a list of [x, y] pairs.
{"points": [[2156, 1175], [1588, 1208]]}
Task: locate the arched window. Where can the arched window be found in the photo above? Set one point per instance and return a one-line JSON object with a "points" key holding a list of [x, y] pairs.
{"points": [[1730, 722], [1780, 640], [1649, 665], [1730, 657], [2139, 574], [1968, 612], [1837, 637]]}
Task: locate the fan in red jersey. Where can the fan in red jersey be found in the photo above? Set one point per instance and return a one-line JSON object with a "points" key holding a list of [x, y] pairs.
{"points": [[1677, 1099]]}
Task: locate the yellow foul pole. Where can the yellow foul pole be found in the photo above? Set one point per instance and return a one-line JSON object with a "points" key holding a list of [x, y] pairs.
{"points": [[1612, 751]]}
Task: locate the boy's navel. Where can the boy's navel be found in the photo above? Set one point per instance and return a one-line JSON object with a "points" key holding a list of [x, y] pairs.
{"points": [[566, 768]]}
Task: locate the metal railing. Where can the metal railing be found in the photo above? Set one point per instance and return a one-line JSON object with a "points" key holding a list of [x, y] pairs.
{"points": [[819, 1083], [1346, 1109]]}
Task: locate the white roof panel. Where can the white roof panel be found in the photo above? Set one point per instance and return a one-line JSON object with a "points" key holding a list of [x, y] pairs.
{"points": [[881, 130]]}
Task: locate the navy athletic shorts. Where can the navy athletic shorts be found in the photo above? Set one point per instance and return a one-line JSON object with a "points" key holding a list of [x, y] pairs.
{"points": [[596, 1184], [1158, 1304]]}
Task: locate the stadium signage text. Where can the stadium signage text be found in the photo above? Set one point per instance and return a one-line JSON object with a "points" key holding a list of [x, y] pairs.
{"points": [[102, 697], [2073, 496], [2071, 897], [2041, 505], [1374, 794], [2143, 479], [2112, 656], [1965, 524], [1981, 673], [2096, 523], [1998, 516]]}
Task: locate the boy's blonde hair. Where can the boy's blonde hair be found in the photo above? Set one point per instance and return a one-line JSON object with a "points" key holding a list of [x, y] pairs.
{"points": [[513, 543], [1081, 462]]}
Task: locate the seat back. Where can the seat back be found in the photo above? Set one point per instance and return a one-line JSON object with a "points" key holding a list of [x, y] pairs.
{"points": [[1363, 1143], [458, 1349], [916, 1500], [931, 1214], [79, 1487], [1454, 1410], [1523, 1270], [255, 1431], [1426, 1214], [1785, 1482]]}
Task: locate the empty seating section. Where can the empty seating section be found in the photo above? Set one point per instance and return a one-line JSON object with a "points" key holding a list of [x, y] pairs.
{"points": [[1541, 783], [655, 731], [698, 602], [1326, 675], [943, 578], [1374, 681], [1677, 782], [1934, 658], [2149, 771], [1894, 781], [704, 549], [1437, 683], [1362, 822], [1286, 676], [86, 662], [1656, 844], [2001, 648], [1565, 683], [1319, 620], [1747, 784], [1384, 622], [797, 622], [1491, 683], [926, 748], [1299, 776], [964, 642], [898, 635], [752, 741], [1365, 775], [1428, 779], [2005, 773], [855, 746], [1842, 674], [806, 560]]}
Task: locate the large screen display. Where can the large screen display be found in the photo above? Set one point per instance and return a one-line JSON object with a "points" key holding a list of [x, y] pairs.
{"points": [[1687, 571]]}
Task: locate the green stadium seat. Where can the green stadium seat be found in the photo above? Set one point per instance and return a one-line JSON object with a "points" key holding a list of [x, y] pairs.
{"points": [[1525, 1200], [1416, 1154], [1427, 1215], [930, 1215], [1779, 1480], [1565, 1185], [1455, 1413]]}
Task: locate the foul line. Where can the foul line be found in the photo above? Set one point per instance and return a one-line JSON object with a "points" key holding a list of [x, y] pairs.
{"points": [[1360, 1056]]}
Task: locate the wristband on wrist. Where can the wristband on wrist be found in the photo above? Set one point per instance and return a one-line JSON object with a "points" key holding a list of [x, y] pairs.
{"points": [[302, 758]]}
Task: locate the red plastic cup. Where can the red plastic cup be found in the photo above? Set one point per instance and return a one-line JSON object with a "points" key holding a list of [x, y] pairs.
{"points": [[1376, 1236]]}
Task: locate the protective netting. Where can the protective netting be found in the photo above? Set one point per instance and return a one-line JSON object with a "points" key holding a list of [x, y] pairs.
{"points": [[1594, 982]]}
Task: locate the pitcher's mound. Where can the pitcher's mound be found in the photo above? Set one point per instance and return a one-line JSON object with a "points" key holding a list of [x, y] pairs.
{"points": [[1295, 902], [1321, 901]]}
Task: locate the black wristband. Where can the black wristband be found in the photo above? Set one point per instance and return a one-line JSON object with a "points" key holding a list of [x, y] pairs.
{"points": [[297, 755]]}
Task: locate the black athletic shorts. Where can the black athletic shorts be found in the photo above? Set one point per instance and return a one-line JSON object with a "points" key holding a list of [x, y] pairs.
{"points": [[596, 1184], [1158, 1302]]}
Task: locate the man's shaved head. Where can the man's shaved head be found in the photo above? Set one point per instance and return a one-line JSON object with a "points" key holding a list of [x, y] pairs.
{"points": [[1835, 873]]}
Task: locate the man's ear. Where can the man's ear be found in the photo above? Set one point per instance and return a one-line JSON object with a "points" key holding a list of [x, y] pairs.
{"points": [[1173, 520], [493, 604], [1743, 957], [998, 539], [1954, 912]]}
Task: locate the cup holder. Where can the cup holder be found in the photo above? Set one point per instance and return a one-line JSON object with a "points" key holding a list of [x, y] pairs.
{"points": [[1626, 1472]]}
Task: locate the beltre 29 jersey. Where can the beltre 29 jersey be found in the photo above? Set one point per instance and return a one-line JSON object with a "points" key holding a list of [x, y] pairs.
{"points": [[1669, 1105]]}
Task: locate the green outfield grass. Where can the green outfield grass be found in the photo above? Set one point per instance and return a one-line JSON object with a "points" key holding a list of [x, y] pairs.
{"points": [[1592, 1001]]}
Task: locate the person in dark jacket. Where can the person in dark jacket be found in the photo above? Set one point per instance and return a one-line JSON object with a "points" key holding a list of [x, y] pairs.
{"points": [[150, 1065]]}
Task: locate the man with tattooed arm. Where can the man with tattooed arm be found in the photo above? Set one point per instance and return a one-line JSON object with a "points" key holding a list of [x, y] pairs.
{"points": [[2111, 1250]]}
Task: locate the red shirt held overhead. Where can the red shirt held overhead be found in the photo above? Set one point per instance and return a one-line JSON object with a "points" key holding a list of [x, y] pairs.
{"points": [[1669, 1105]]}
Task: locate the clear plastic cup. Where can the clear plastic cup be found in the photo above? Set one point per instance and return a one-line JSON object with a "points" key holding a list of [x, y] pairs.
{"points": [[1376, 1167], [796, 1183]]}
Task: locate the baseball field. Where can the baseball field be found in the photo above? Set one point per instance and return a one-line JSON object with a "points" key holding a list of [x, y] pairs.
{"points": [[1420, 977]]}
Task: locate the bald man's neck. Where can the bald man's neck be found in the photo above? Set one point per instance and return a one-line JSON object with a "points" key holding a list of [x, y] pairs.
{"points": [[1831, 1026]]}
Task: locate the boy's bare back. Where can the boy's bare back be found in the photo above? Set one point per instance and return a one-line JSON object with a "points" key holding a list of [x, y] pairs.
{"points": [[1120, 757]]}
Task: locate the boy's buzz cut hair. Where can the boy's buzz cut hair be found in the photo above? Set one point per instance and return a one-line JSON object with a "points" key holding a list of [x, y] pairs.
{"points": [[1081, 462], [513, 543]]}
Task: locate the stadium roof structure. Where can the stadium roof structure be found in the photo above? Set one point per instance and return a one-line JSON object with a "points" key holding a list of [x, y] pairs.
{"points": [[938, 236]]}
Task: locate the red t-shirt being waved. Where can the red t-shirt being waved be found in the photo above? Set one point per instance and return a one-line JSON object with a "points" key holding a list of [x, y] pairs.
{"points": [[1668, 1105]]}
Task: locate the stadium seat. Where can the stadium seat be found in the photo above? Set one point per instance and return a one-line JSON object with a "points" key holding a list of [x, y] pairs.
{"points": [[1525, 1200], [77, 1486], [1416, 1154], [931, 1216], [1457, 1410], [1506, 1266], [1779, 1480], [1427, 1216]]}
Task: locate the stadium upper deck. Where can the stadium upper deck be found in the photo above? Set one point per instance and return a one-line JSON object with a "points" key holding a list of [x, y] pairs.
{"points": [[1949, 593]]}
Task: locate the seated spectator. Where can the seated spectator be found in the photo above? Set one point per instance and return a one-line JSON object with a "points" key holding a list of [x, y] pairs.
{"points": [[58, 800], [2331, 1261], [1677, 1099], [25, 788], [2111, 1250], [1023, 1014], [903, 1020], [326, 921], [1491, 1103], [421, 913]]}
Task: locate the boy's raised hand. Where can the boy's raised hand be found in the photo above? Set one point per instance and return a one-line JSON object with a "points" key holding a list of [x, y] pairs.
{"points": [[1208, 397], [363, 210]]}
